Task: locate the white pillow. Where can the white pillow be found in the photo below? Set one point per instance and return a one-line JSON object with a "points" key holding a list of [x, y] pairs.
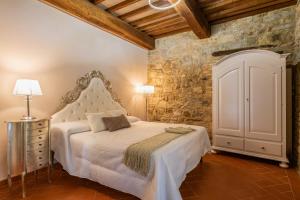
{"points": [[72, 127], [133, 119], [96, 122], [115, 113]]}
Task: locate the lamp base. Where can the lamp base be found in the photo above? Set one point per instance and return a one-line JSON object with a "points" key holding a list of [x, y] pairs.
{"points": [[28, 118]]}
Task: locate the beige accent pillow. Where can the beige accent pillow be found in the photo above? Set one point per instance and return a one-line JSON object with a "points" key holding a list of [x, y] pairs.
{"points": [[116, 123], [96, 122]]}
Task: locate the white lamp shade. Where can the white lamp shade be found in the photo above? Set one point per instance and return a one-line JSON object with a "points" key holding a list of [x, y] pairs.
{"points": [[27, 87], [144, 89]]}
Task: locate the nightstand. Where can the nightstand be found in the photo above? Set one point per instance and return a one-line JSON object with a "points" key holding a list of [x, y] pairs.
{"points": [[28, 148]]}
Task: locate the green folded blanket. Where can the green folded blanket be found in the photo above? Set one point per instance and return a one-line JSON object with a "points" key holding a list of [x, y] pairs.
{"points": [[138, 155]]}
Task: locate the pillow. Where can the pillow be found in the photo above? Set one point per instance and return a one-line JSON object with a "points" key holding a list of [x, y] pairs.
{"points": [[96, 122], [72, 127], [116, 123], [115, 113], [133, 119]]}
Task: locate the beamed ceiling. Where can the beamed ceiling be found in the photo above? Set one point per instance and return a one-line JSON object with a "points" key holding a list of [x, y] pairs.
{"points": [[136, 22]]}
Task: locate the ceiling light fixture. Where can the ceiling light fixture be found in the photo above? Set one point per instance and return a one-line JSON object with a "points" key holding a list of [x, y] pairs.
{"points": [[162, 4]]}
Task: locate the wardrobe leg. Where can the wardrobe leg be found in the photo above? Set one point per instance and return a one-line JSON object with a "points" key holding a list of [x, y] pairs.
{"points": [[213, 151], [284, 165]]}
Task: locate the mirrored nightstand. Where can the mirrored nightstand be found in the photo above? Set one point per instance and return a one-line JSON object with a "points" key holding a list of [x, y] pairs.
{"points": [[28, 148]]}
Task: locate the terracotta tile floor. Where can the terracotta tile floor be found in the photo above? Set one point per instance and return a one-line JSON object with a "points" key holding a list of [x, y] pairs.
{"points": [[218, 177]]}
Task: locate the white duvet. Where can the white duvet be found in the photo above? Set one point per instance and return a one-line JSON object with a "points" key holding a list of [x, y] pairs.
{"points": [[98, 157]]}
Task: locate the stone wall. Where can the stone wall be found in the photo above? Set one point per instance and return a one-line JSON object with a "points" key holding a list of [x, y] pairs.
{"points": [[180, 66], [297, 85], [183, 92], [296, 136]]}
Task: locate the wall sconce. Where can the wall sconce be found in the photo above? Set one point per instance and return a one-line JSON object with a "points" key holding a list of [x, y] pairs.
{"points": [[144, 89]]}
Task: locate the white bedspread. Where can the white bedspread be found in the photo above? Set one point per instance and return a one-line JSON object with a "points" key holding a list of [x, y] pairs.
{"points": [[98, 157]]}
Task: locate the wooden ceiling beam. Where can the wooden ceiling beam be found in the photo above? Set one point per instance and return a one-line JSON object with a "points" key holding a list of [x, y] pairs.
{"points": [[93, 15], [153, 17], [135, 12], [167, 26], [172, 32], [97, 1], [206, 3], [169, 29], [223, 5], [162, 23], [140, 10], [156, 23], [191, 11], [248, 7], [121, 5], [239, 15]]}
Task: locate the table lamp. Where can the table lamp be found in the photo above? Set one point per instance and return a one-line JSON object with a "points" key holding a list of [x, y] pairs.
{"points": [[27, 88], [145, 90]]}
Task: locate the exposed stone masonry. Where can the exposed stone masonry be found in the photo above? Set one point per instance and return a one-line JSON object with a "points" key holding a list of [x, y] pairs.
{"points": [[296, 136], [183, 93], [297, 85], [180, 66]]}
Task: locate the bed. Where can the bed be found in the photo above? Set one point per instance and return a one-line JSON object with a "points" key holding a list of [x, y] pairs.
{"points": [[99, 156]]}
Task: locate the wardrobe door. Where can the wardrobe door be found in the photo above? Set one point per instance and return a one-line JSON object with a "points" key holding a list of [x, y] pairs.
{"points": [[262, 100], [228, 95]]}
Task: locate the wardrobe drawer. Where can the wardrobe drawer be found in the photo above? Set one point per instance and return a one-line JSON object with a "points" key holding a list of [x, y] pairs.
{"points": [[229, 142], [269, 148]]}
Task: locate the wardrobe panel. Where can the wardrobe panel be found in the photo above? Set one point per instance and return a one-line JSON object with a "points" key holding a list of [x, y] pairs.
{"points": [[229, 100], [229, 109], [263, 103]]}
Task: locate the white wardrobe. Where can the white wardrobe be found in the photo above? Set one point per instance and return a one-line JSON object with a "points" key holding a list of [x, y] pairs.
{"points": [[249, 104]]}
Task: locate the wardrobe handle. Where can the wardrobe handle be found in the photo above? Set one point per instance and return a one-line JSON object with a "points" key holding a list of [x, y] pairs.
{"points": [[247, 99]]}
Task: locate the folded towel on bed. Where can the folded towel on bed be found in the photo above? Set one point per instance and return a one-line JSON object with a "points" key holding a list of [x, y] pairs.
{"points": [[179, 130], [138, 155]]}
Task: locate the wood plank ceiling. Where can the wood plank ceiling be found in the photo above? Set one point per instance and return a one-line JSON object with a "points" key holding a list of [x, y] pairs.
{"points": [[141, 24]]}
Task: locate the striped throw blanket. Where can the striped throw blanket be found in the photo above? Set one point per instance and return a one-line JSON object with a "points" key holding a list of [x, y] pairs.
{"points": [[138, 155]]}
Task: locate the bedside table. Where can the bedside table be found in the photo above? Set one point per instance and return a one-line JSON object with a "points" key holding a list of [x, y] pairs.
{"points": [[28, 148]]}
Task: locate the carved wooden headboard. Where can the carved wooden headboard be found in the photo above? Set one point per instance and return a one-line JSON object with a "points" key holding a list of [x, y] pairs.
{"points": [[93, 93]]}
